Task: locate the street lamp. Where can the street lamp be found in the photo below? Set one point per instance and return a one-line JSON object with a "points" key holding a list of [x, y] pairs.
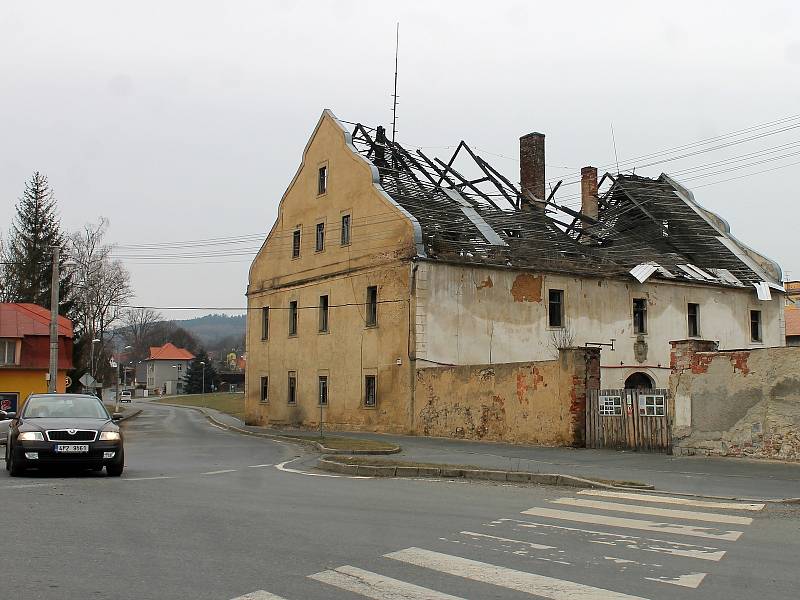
{"points": [[203, 389], [91, 359]]}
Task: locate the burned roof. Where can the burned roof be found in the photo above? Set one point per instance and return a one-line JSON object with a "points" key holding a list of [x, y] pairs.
{"points": [[645, 227]]}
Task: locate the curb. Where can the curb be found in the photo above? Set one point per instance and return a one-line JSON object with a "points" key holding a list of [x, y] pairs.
{"points": [[131, 416], [286, 438], [326, 464]]}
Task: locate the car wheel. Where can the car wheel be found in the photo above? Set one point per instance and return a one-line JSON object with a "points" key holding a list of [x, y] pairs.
{"points": [[115, 469], [13, 465]]}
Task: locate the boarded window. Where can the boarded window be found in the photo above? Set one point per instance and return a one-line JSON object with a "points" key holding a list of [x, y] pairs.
{"points": [[322, 181], [555, 308], [265, 388], [372, 306], [293, 317], [265, 323], [345, 230], [370, 391], [693, 314], [610, 406], [755, 326], [291, 395], [296, 243], [639, 315], [323, 314], [323, 390], [320, 239]]}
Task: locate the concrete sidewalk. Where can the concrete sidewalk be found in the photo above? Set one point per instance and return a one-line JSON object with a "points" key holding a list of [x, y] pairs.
{"points": [[727, 477]]}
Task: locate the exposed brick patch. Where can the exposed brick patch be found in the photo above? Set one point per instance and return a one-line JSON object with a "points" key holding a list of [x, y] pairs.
{"points": [[486, 283], [527, 288]]}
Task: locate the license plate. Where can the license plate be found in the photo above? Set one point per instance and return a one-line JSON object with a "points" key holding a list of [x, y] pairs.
{"points": [[72, 447]]}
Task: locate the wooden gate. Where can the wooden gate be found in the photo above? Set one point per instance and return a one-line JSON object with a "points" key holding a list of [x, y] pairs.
{"points": [[636, 419]]}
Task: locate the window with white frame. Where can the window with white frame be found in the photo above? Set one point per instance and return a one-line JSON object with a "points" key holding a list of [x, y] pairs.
{"points": [[652, 406], [610, 406], [8, 352]]}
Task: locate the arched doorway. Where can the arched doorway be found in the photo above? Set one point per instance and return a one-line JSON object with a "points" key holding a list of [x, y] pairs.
{"points": [[639, 381]]}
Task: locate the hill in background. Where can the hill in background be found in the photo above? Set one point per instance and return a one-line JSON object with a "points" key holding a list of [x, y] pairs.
{"points": [[217, 331]]}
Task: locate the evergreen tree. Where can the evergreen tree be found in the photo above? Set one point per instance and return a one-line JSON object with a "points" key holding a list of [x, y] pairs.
{"points": [[193, 380], [27, 252]]}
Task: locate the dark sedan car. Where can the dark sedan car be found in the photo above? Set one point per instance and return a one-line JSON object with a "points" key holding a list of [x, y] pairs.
{"points": [[64, 430]]}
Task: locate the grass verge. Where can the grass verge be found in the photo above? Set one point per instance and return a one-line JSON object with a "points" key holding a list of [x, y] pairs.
{"points": [[230, 403]]}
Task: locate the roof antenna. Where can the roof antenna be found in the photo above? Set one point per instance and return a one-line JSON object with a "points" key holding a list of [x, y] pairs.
{"points": [[614, 141], [394, 104]]}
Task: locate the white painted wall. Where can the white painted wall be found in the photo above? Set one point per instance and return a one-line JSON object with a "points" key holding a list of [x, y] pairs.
{"points": [[462, 320]]}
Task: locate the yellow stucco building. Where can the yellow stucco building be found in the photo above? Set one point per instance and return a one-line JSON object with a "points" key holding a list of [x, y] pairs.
{"points": [[25, 353]]}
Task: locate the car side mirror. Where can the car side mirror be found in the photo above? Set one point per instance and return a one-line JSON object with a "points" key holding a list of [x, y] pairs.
{"points": [[116, 416], [8, 415]]}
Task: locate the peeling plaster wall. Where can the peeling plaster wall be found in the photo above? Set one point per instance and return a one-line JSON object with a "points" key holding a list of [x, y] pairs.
{"points": [[476, 315], [737, 403], [535, 402]]}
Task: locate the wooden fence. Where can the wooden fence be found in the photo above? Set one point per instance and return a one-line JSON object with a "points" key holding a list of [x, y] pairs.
{"points": [[635, 419]]}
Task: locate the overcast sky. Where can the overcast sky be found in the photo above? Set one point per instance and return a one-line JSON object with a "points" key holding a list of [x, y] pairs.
{"points": [[186, 120]]}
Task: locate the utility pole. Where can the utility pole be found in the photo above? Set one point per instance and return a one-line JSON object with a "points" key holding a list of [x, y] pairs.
{"points": [[394, 96], [54, 291]]}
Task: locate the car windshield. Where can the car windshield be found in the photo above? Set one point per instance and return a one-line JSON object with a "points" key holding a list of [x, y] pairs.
{"points": [[80, 407]]}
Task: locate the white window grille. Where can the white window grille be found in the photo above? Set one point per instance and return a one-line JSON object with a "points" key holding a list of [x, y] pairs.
{"points": [[652, 406], [611, 406]]}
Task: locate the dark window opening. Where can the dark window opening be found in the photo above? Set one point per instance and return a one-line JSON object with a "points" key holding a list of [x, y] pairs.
{"points": [[693, 312], [372, 306], [639, 381], [512, 233], [345, 230], [639, 315], [291, 397], [296, 243], [755, 326], [323, 390], [322, 185], [555, 308], [293, 317], [265, 389], [370, 391], [323, 313], [265, 323], [320, 244]]}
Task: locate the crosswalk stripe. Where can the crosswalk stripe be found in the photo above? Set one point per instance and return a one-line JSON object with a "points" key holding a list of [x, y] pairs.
{"points": [[655, 511], [531, 583], [378, 587], [692, 580], [259, 595], [642, 544], [597, 519], [753, 506], [503, 539]]}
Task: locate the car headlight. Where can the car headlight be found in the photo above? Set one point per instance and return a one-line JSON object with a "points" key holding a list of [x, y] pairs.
{"points": [[31, 436], [109, 436]]}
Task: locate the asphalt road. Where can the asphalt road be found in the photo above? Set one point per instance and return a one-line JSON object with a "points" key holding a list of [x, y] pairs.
{"points": [[205, 514]]}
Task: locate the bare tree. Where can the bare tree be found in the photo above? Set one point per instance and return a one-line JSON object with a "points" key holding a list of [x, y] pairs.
{"points": [[102, 284], [563, 337], [140, 325]]}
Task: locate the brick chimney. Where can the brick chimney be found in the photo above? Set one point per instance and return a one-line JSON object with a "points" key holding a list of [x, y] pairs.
{"points": [[589, 192], [531, 169]]}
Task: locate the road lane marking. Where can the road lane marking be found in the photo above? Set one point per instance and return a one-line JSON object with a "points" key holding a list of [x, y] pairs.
{"points": [[503, 539], [25, 485], [704, 532], [754, 506], [691, 580], [218, 472], [531, 583], [634, 542], [259, 595], [282, 467], [378, 587], [259, 466], [218, 427], [655, 511], [147, 478]]}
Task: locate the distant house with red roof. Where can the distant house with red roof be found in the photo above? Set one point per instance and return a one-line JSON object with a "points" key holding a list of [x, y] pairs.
{"points": [[166, 367], [792, 313], [25, 352]]}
